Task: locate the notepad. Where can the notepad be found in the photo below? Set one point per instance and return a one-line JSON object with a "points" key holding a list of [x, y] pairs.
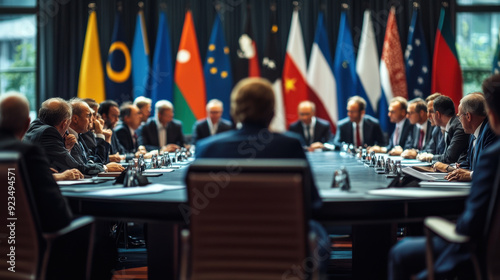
{"points": [[154, 188], [418, 192]]}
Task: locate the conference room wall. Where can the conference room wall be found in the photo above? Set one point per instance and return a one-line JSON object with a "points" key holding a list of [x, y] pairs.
{"points": [[63, 26]]}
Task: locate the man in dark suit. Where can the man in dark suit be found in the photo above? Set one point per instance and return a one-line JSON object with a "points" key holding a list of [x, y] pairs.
{"points": [[252, 104], [52, 208], [314, 131], [126, 131], [213, 124], [436, 143], [398, 109], [358, 129], [408, 256], [420, 137], [50, 132], [473, 117], [163, 132], [455, 139]]}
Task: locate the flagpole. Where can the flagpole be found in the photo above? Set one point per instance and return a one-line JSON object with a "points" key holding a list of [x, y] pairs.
{"points": [[163, 6], [296, 5], [119, 6], [92, 7], [141, 5]]}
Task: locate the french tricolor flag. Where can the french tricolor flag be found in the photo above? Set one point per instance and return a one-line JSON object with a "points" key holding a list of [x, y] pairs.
{"points": [[321, 82], [392, 70]]}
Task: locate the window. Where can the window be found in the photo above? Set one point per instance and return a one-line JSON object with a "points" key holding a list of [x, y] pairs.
{"points": [[18, 49], [477, 25]]}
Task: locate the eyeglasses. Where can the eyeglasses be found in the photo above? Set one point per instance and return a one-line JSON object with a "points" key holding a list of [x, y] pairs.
{"points": [[459, 115]]}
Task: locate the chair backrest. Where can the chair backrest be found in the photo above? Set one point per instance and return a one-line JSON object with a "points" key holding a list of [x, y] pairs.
{"points": [[493, 232], [23, 234], [248, 218]]}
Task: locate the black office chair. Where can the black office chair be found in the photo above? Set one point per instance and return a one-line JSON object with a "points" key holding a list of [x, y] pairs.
{"points": [[248, 220], [33, 249], [485, 251]]}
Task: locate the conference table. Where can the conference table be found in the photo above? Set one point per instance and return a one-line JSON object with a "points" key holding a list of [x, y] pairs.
{"points": [[373, 215]]}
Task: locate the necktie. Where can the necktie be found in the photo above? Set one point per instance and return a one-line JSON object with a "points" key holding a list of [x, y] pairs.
{"points": [[84, 154], [473, 152], [308, 135], [421, 139], [358, 137], [396, 136]]}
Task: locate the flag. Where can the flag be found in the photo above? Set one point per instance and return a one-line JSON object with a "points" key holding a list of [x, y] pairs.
{"points": [[392, 70], [218, 76], [418, 73], [140, 58], [446, 72], [367, 64], [91, 80], [294, 71], [248, 59], [119, 66], [189, 93], [271, 65], [344, 68], [320, 80], [162, 76], [496, 58]]}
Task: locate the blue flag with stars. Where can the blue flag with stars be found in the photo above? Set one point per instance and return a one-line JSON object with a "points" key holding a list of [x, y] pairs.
{"points": [[119, 66], [217, 70], [162, 76], [496, 59], [418, 74]]}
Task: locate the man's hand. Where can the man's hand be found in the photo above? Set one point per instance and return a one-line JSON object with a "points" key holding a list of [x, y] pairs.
{"points": [[427, 157], [114, 167], [409, 154], [170, 148], [107, 135], [314, 146], [98, 126], [70, 174], [376, 149], [115, 158], [442, 167], [396, 151], [462, 175], [69, 141]]}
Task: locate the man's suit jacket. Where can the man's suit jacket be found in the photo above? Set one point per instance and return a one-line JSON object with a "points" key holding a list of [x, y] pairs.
{"points": [[322, 132], [52, 142], [372, 132], [52, 208], [472, 221], [122, 132], [436, 144], [202, 130], [406, 131], [414, 136], [148, 134], [485, 138], [236, 144], [96, 148], [456, 144]]}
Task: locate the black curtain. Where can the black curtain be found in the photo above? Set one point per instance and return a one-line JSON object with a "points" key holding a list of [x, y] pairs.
{"points": [[63, 25]]}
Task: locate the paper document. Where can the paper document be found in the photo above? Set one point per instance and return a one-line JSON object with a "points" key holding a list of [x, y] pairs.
{"points": [[446, 184], [75, 182], [418, 192], [154, 188], [419, 175], [156, 170], [80, 189], [337, 193]]}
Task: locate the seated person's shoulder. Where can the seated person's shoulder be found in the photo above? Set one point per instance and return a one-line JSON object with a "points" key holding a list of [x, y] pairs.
{"points": [[371, 119]]}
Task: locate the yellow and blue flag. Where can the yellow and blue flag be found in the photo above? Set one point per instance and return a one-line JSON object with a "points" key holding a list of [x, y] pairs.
{"points": [[119, 66], [217, 70], [140, 58]]}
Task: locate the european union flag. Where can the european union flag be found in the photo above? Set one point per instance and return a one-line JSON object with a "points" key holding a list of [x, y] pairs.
{"points": [[418, 72], [119, 66], [496, 59], [344, 69], [217, 70], [140, 58], [162, 76]]}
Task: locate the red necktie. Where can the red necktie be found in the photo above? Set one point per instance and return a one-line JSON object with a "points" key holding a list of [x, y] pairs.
{"points": [[421, 139], [358, 137]]}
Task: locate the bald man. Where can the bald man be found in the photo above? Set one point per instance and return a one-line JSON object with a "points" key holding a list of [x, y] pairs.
{"points": [[314, 131], [51, 206]]}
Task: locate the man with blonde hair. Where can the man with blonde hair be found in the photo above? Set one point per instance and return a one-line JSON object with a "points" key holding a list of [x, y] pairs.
{"points": [[144, 105], [252, 105]]}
